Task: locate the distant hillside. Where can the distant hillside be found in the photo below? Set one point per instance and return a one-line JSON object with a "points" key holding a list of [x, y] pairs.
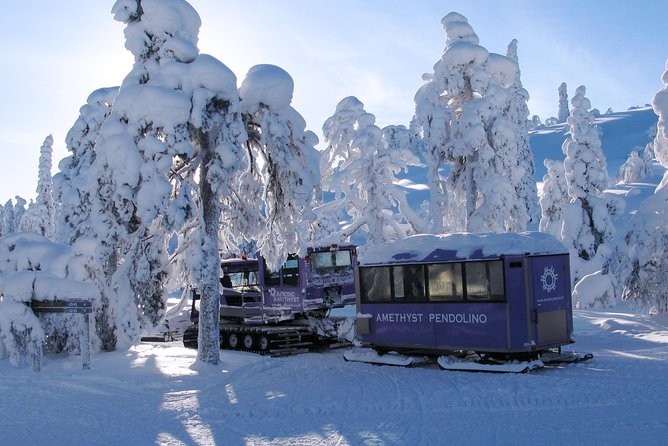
{"points": [[621, 133]]}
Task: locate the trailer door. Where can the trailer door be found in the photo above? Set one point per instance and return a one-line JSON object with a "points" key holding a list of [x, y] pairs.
{"points": [[552, 313]]}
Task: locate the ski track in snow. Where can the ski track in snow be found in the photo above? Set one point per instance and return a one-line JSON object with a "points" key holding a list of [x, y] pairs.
{"points": [[155, 394]]}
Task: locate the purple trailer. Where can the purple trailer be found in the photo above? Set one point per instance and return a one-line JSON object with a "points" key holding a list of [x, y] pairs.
{"points": [[284, 311], [499, 302]]}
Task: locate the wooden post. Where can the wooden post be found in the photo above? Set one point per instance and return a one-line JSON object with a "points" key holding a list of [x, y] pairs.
{"points": [[84, 340], [36, 356], [3, 347]]}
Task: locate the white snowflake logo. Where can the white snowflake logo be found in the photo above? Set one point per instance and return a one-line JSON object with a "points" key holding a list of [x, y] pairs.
{"points": [[549, 279]]}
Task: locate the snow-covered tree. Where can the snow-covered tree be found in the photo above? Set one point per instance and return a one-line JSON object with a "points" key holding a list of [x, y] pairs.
{"points": [[660, 105], [176, 118], [647, 239], [8, 218], [285, 162], [340, 131], [367, 160], [460, 113], [523, 173], [73, 188], [3, 230], [554, 198], [141, 142], [636, 167], [19, 211], [472, 115], [396, 137], [39, 217], [564, 111], [218, 133], [536, 122], [431, 127], [587, 223]]}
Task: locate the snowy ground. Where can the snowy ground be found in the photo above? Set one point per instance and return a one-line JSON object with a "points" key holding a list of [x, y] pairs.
{"points": [[153, 394]]}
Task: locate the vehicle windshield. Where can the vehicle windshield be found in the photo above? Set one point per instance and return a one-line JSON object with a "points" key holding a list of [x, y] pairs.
{"points": [[330, 262], [240, 279]]}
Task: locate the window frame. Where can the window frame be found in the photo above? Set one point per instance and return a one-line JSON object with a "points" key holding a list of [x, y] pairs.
{"points": [[463, 296], [271, 276]]}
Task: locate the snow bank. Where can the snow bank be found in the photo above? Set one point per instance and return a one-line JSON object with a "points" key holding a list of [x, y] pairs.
{"points": [[594, 288], [419, 248]]}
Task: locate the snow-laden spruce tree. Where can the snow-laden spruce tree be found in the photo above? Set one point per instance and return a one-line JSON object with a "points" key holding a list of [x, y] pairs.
{"points": [[39, 217], [587, 224], [462, 111], [647, 239], [72, 188], [284, 163], [19, 210], [3, 230], [8, 218], [525, 183], [637, 166], [563, 111], [364, 174], [554, 198]]}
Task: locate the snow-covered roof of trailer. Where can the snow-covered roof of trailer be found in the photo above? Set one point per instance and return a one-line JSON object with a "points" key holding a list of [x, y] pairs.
{"points": [[460, 246]]}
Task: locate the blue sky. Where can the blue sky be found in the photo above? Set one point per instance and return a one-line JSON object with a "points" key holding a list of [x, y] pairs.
{"points": [[56, 53]]}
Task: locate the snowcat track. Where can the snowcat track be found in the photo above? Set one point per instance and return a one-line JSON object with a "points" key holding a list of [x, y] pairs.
{"points": [[268, 341], [167, 336]]}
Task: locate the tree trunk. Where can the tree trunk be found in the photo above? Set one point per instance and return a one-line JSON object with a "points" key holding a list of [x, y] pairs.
{"points": [[208, 350]]}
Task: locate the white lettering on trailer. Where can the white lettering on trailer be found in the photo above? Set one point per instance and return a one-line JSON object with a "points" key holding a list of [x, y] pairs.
{"points": [[550, 299], [286, 297], [399, 317], [433, 318], [458, 318]]}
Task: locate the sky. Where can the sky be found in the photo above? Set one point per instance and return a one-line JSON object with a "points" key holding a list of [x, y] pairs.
{"points": [[56, 53]]}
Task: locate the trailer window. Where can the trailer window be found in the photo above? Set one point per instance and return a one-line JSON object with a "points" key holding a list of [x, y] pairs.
{"points": [[408, 281], [445, 282], [330, 262], [375, 284], [484, 281]]}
